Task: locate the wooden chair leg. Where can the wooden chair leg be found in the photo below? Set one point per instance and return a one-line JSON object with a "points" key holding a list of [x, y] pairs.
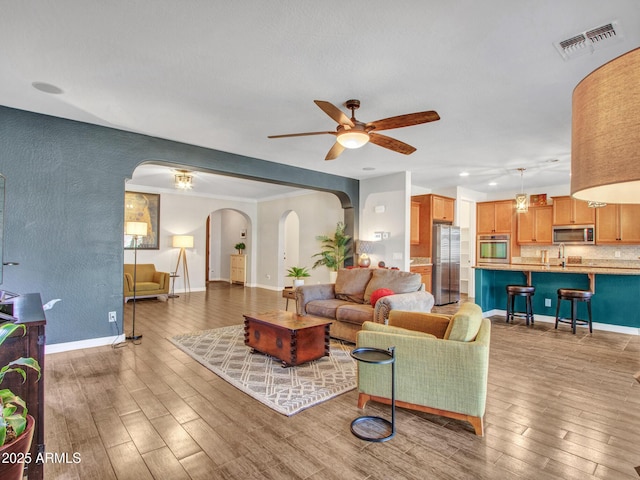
{"points": [[477, 424], [363, 398]]}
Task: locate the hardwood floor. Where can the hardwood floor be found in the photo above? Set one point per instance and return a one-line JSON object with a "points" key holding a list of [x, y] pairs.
{"points": [[560, 406]]}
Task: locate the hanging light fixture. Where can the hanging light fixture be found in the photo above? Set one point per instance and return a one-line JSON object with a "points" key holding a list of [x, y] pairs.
{"points": [[605, 137], [522, 204], [183, 180]]}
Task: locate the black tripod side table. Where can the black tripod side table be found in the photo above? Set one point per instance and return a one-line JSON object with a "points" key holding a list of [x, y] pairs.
{"points": [[360, 425]]}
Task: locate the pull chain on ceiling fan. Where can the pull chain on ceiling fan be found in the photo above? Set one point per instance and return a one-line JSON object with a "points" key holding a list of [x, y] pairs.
{"points": [[351, 133]]}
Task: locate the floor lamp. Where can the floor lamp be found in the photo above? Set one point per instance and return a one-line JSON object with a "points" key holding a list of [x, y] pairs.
{"points": [[182, 242], [135, 229]]}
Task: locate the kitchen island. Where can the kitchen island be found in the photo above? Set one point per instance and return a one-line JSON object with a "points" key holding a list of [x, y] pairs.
{"points": [[615, 302]]}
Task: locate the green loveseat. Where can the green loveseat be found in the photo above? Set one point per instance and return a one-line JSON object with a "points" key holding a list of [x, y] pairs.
{"points": [[442, 363], [149, 282]]}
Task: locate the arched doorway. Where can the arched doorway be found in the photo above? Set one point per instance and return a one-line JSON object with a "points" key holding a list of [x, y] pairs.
{"points": [[290, 241], [227, 227]]}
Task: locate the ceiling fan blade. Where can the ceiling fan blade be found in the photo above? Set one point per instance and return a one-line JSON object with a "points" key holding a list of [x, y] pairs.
{"points": [[301, 134], [391, 144], [334, 112], [404, 120], [335, 151]]}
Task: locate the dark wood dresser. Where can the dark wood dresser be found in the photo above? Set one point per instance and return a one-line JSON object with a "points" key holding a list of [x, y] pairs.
{"points": [[28, 310]]}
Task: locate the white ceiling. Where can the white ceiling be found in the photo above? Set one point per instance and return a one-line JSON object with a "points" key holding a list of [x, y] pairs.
{"points": [[225, 75]]}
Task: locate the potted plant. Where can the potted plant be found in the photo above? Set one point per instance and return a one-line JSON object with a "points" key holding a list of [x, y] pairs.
{"points": [[298, 274], [240, 246], [16, 426], [334, 250]]}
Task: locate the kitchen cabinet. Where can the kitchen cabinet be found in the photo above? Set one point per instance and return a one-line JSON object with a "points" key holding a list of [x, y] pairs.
{"points": [[426, 272], [429, 209], [415, 223], [618, 224], [238, 269], [495, 217], [569, 211], [535, 226], [442, 208]]}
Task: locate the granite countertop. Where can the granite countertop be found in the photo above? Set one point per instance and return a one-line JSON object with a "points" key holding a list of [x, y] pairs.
{"points": [[574, 268]]}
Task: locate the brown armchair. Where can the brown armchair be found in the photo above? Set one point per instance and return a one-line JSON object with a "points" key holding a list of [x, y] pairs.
{"points": [[149, 282]]}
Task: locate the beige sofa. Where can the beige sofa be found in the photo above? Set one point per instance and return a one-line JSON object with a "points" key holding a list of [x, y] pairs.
{"points": [[149, 282], [348, 301]]}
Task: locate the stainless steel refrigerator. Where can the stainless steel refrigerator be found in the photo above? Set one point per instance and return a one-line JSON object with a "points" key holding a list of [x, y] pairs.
{"points": [[446, 264]]}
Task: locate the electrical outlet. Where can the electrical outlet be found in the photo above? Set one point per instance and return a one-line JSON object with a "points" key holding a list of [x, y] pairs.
{"points": [[547, 302], [112, 317], [616, 254]]}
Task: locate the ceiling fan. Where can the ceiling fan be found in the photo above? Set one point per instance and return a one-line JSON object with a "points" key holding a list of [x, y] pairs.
{"points": [[351, 133]]}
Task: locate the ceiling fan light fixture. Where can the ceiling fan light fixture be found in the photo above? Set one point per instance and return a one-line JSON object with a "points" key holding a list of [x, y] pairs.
{"points": [[353, 138]]}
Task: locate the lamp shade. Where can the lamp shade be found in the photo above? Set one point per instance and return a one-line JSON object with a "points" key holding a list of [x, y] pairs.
{"points": [[183, 241], [605, 137], [136, 228], [364, 246]]}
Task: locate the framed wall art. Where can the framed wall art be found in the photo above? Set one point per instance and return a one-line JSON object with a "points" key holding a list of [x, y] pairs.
{"points": [[143, 207]]}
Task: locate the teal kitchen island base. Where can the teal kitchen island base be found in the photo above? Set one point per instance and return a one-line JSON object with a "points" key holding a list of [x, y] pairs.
{"points": [[615, 302]]}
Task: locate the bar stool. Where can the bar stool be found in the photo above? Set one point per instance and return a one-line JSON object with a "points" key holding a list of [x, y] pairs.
{"points": [[514, 291], [574, 296]]}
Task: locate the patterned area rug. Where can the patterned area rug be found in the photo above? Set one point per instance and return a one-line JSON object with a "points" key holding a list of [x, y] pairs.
{"points": [[285, 390]]}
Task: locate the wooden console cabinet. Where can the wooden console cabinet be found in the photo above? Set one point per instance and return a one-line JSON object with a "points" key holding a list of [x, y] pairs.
{"points": [[28, 310], [238, 269]]}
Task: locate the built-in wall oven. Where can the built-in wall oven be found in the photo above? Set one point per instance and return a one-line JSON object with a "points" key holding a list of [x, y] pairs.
{"points": [[494, 248]]}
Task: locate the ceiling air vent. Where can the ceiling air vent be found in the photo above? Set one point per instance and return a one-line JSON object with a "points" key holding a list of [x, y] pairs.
{"points": [[589, 41]]}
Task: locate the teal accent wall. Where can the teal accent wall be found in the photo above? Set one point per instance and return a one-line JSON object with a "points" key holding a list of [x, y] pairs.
{"points": [[63, 216], [615, 301]]}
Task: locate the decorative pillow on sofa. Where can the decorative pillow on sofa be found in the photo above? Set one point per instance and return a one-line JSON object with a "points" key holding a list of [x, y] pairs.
{"points": [[351, 283], [396, 280], [465, 323], [378, 294]]}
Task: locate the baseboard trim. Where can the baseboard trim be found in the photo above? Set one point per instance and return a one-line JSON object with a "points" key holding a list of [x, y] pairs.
{"points": [[605, 327], [80, 344]]}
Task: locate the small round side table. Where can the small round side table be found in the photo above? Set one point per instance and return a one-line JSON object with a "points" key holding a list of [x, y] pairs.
{"points": [[377, 356], [173, 276]]}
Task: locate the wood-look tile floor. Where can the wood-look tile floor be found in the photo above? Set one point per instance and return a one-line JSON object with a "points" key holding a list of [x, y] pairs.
{"points": [[560, 406]]}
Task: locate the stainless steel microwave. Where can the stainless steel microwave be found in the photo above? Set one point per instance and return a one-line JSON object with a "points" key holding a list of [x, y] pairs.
{"points": [[574, 234], [494, 249]]}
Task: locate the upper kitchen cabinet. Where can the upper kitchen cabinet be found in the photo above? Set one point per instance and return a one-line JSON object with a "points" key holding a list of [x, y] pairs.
{"points": [[495, 217], [568, 211], [428, 209], [618, 224], [442, 208], [415, 223], [535, 226]]}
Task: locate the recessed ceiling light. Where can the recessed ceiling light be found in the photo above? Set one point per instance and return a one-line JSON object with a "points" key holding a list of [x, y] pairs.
{"points": [[47, 88], [493, 184], [464, 174]]}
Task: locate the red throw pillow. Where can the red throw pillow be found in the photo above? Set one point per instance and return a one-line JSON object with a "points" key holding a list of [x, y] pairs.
{"points": [[379, 293]]}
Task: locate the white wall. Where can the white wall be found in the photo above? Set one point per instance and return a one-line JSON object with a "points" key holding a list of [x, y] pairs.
{"points": [[186, 214], [393, 192], [318, 213]]}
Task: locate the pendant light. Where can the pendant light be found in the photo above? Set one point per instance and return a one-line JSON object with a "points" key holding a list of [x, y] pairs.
{"points": [[605, 140], [522, 204]]}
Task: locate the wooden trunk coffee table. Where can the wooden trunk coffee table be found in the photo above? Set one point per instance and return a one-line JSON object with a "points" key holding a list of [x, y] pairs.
{"points": [[291, 338]]}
